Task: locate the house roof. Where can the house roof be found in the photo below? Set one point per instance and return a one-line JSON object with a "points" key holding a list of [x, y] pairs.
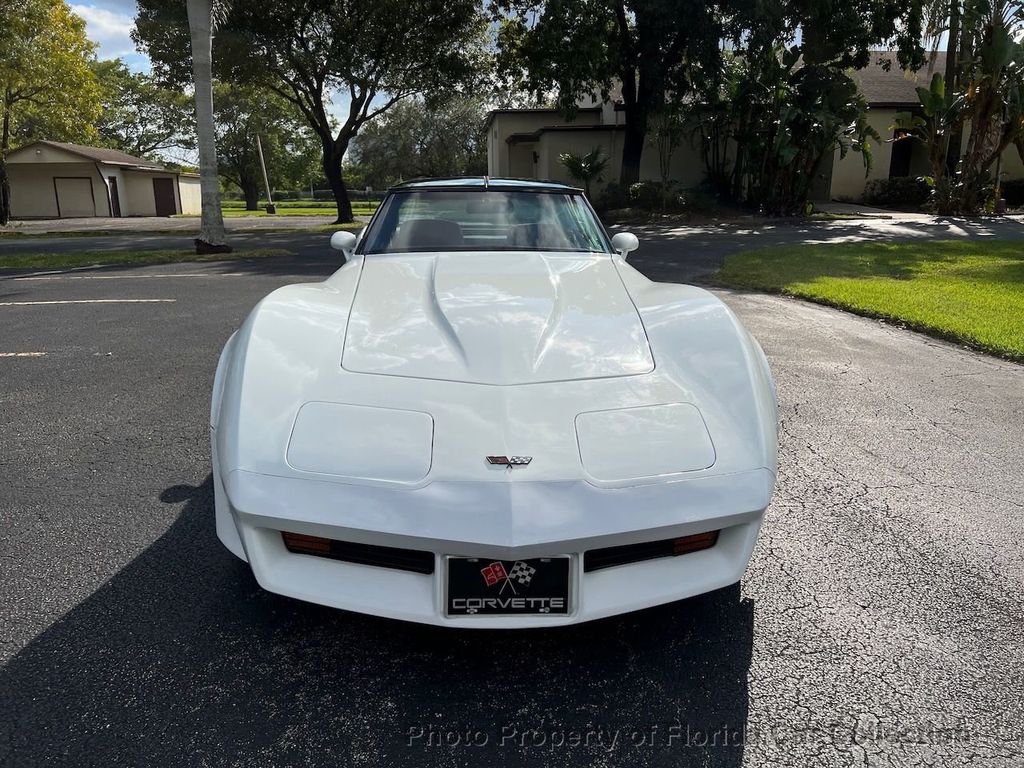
{"points": [[896, 87], [100, 155], [535, 111]]}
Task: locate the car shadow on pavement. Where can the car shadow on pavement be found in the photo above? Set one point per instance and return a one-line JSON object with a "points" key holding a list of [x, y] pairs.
{"points": [[181, 659]]}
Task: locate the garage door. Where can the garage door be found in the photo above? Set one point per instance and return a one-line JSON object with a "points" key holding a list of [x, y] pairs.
{"points": [[163, 194], [74, 197]]}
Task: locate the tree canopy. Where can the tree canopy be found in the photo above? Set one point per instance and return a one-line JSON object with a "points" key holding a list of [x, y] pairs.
{"points": [[770, 79], [140, 116], [341, 63], [795, 101], [47, 87], [420, 139], [290, 149], [649, 48]]}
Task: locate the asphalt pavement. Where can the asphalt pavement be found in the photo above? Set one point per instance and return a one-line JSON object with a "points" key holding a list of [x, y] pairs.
{"points": [[880, 622], [705, 245]]}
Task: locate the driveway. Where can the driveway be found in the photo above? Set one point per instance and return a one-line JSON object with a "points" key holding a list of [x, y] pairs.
{"points": [[880, 622], [704, 247]]}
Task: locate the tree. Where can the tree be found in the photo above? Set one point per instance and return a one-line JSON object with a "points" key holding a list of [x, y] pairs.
{"points": [[668, 129], [419, 139], [290, 151], [982, 91], [993, 81], [373, 52], [583, 48], [585, 168], [795, 100], [710, 118], [942, 20], [212, 237], [139, 115], [786, 132], [47, 89], [934, 127]]}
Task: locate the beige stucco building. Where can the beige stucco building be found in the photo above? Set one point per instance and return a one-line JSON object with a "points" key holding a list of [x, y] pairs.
{"points": [[52, 180], [889, 93], [527, 143]]}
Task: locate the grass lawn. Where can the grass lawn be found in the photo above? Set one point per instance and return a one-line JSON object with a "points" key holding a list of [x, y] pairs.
{"points": [[966, 291], [89, 258], [233, 208], [230, 213]]}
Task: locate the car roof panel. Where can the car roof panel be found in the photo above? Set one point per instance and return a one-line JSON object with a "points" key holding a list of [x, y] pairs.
{"points": [[487, 183]]}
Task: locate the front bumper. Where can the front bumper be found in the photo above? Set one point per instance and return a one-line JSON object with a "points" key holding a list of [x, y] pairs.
{"points": [[509, 521]]}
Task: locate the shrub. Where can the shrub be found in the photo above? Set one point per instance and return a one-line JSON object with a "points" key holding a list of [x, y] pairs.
{"points": [[897, 192], [701, 202], [647, 195], [612, 197], [654, 197]]}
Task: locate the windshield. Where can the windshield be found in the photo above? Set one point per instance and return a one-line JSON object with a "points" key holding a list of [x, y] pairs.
{"points": [[484, 220]]}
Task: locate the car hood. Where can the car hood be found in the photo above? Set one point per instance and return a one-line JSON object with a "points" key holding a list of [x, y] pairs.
{"points": [[494, 318]]}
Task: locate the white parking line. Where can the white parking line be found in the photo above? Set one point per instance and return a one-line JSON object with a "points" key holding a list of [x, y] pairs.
{"points": [[22, 354], [86, 301]]}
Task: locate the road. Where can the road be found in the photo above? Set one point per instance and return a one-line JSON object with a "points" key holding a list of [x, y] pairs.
{"points": [[880, 622], [706, 245]]}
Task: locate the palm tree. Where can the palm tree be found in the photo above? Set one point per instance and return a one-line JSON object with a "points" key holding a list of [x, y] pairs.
{"points": [[212, 237], [585, 168], [992, 98]]}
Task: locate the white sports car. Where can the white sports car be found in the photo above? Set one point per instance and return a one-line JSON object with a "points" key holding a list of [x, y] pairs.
{"points": [[487, 418]]}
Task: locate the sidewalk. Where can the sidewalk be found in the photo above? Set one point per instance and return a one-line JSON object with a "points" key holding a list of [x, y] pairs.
{"points": [[864, 211]]}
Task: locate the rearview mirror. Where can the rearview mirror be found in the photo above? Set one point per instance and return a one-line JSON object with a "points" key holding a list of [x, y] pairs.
{"points": [[624, 243], [343, 241]]}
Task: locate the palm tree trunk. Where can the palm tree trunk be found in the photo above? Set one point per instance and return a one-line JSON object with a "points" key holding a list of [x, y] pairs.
{"points": [[212, 237], [5, 145], [954, 132]]}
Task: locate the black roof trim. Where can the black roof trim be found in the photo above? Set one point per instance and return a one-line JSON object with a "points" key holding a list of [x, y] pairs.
{"points": [[532, 136], [483, 183]]}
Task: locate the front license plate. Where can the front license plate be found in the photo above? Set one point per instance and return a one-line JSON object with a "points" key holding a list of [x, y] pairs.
{"points": [[485, 587]]}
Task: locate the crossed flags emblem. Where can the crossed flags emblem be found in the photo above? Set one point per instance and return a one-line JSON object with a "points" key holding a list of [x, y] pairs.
{"points": [[521, 574]]}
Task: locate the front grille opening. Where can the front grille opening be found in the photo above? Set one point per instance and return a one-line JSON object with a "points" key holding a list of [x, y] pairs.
{"points": [[609, 557], [415, 560]]}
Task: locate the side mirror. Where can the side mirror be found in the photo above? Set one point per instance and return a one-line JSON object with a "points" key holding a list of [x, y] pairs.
{"points": [[624, 243], [343, 241]]}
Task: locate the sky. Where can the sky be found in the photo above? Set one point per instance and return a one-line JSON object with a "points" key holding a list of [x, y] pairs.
{"points": [[109, 24]]}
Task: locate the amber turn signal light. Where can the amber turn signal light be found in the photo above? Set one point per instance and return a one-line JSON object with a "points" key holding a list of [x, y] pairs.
{"points": [[300, 543], [694, 543]]}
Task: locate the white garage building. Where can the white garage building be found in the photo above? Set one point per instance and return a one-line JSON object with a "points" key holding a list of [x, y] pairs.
{"points": [[51, 180]]}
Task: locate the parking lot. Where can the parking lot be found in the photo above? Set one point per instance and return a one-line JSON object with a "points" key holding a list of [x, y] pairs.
{"points": [[880, 622]]}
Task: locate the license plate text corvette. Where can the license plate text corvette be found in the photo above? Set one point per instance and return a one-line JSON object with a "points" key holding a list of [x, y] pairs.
{"points": [[485, 587]]}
